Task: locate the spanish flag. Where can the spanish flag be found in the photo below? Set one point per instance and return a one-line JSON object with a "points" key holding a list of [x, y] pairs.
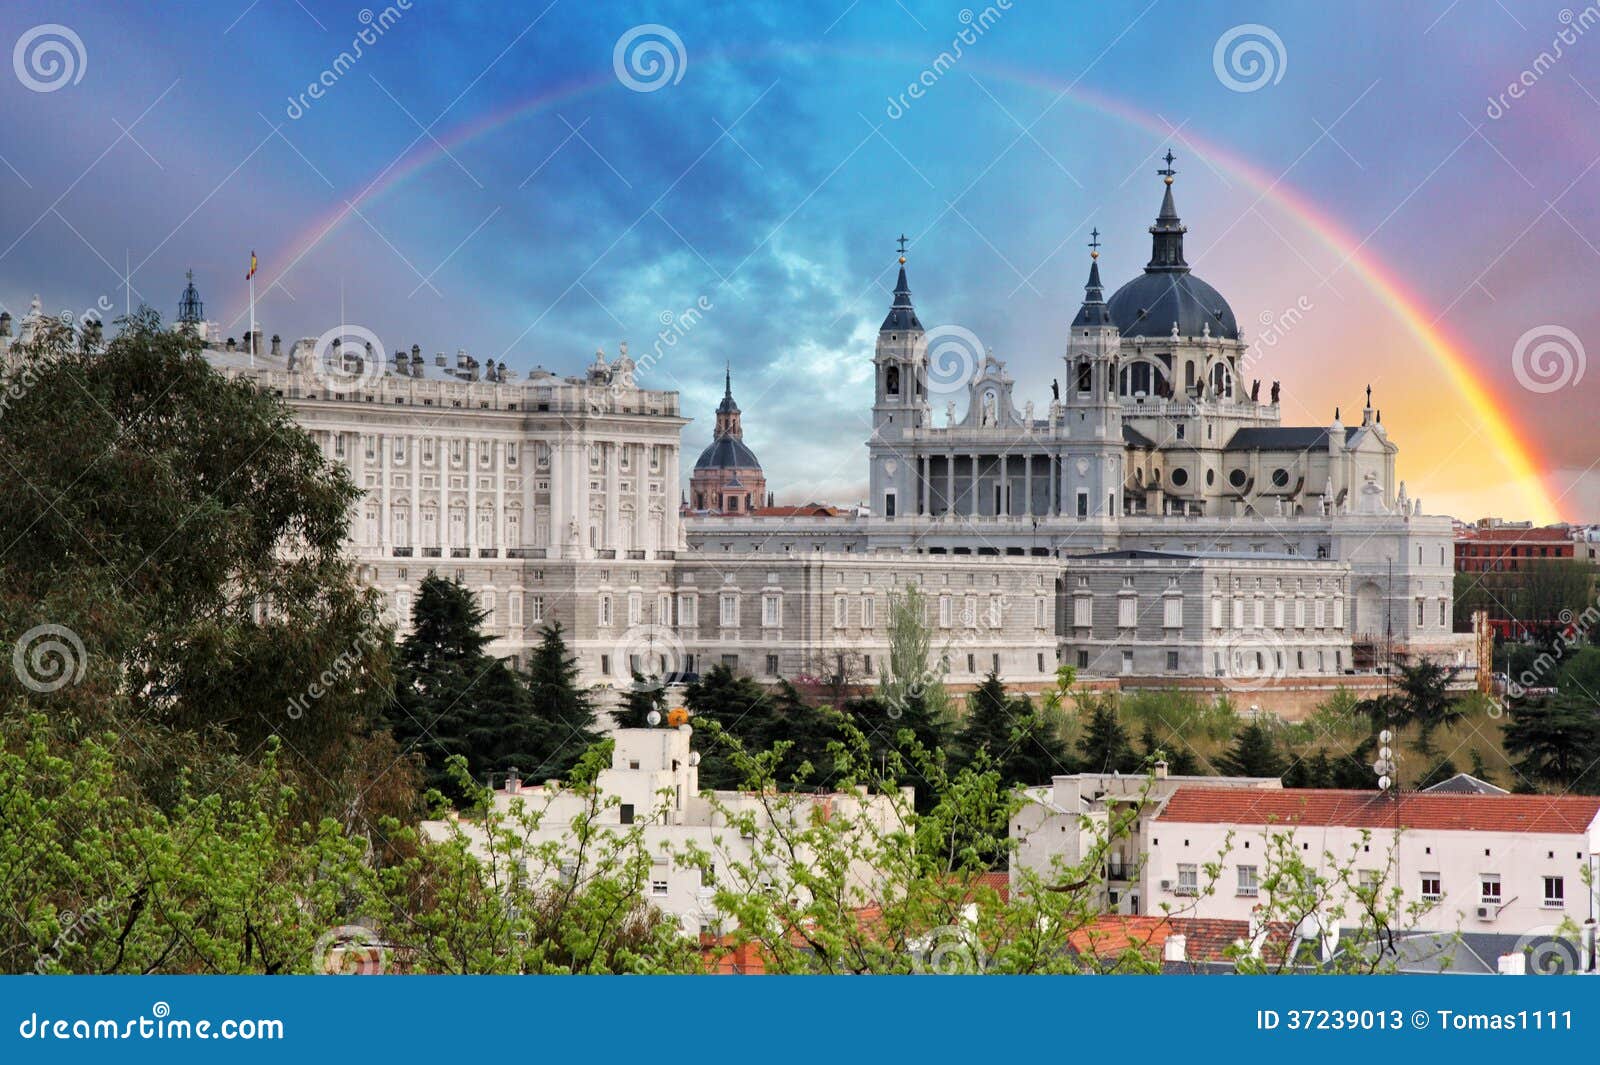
{"points": [[252, 272]]}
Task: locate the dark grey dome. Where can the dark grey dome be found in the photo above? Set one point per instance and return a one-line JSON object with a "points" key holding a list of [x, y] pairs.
{"points": [[727, 453], [1149, 304]]}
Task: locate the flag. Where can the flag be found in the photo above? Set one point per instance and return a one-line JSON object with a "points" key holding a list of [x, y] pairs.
{"points": [[252, 272]]}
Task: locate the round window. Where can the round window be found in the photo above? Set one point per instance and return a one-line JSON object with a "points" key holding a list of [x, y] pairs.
{"points": [[1236, 478], [1280, 477], [1180, 477]]}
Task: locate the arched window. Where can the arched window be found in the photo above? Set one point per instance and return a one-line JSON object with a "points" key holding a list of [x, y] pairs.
{"points": [[891, 381], [1221, 380]]}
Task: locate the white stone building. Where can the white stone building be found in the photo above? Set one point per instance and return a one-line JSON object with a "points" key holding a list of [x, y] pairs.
{"points": [[652, 788]]}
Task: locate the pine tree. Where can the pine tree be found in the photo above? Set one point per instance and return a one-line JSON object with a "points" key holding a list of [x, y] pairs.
{"points": [[742, 710], [1180, 760], [1104, 744], [1022, 745], [1254, 754], [562, 715], [643, 697]]}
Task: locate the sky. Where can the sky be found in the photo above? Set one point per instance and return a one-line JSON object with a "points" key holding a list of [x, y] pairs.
{"points": [[535, 181]]}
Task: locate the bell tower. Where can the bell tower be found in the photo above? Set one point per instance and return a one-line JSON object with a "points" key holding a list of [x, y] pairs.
{"points": [[900, 393], [1093, 457]]}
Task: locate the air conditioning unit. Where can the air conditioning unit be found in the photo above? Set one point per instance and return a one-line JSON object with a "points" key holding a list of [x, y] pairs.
{"points": [[1166, 885], [1488, 913]]}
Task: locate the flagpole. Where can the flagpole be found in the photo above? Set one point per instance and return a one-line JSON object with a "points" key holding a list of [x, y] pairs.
{"points": [[252, 315]]}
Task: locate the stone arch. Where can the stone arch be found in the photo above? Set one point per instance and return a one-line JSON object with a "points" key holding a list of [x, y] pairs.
{"points": [[1369, 609]]}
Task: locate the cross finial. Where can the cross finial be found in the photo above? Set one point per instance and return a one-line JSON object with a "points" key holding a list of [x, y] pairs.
{"points": [[1167, 172], [1094, 243], [189, 274], [902, 240], [1369, 395]]}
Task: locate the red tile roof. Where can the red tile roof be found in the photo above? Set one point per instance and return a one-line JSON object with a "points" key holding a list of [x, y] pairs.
{"points": [[1568, 814], [1207, 939]]}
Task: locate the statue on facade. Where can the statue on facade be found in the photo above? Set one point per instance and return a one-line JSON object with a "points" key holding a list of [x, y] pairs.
{"points": [[990, 414], [1055, 390], [950, 414], [1255, 390], [1274, 393], [1027, 413]]}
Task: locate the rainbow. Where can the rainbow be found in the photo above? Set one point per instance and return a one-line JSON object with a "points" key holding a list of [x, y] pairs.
{"points": [[1408, 307]]}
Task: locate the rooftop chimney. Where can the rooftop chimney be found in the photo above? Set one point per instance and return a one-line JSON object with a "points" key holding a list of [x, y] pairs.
{"points": [[438, 358], [277, 344], [1176, 948], [1161, 770]]}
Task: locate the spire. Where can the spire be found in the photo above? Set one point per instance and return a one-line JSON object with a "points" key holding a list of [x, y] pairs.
{"points": [[1094, 310], [902, 315], [1166, 250], [190, 309], [727, 406]]}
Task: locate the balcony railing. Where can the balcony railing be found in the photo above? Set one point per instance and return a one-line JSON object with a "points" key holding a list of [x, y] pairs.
{"points": [[402, 552], [460, 552], [488, 552], [430, 552]]}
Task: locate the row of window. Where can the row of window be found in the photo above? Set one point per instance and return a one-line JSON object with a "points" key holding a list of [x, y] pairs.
{"points": [[1490, 888], [521, 609]]}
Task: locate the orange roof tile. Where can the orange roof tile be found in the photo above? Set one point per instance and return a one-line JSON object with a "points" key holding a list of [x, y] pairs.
{"points": [[1563, 814]]}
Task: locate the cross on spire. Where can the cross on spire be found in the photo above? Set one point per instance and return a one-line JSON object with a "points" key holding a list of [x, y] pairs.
{"points": [[1094, 243], [1167, 171], [902, 241]]}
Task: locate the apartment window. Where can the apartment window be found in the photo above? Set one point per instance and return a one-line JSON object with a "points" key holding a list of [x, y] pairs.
{"points": [[635, 608], [658, 888], [772, 665], [605, 608], [944, 611], [1444, 612], [1083, 659], [1172, 612], [972, 666], [1127, 662], [514, 607], [1188, 879], [1430, 886], [1216, 613], [1555, 892], [729, 606], [399, 449], [969, 612], [1489, 885], [1082, 612], [1369, 881], [771, 610], [841, 611], [1248, 884], [1127, 612], [486, 601], [626, 813], [663, 609], [1422, 610], [605, 665]]}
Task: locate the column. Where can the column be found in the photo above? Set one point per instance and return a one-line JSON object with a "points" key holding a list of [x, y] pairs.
{"points": [[498, 458], [671, 488], [385, 533], [949, 483], [441, 458], [641, 497], [922, 486], [414, 443], [471, 457], [1027, 484], [977, 505]]}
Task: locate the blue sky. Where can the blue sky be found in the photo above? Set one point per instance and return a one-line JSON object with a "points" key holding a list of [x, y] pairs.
{"points": [[495, 185]]}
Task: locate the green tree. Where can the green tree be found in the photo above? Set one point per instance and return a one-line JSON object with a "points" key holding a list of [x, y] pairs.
{"points": [[740, 708], [563, 715], [1180, 759], [1557, 742], [1104, 745], [190, 538], [1254, 753], [1022, 742], [643, 697]]}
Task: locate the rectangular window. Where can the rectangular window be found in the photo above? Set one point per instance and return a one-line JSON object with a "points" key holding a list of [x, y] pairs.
{"points": [[969, 612], [535, 608], [1082, 612], [1431, 886], [772, 665], [1083, 659], [1338, 612], [514, 608], [1248, 884], [1216, 613], [841, 611], [1260, 615], [1489, 885], [1041, 613], [1188, 879], [771, 610], [1083, 504], [658, 888], [625, 811], [663, 609], [869, 612], [1422, 612], [1277, 613], [1444, 612], [1127, 662], [635, 608], [1172, 661], [1238, 613], [605, 665], [688, 611], [1172, 612], [1319, 614], [605, 608], [1555, 892], [1299, 613], [1127, 611], [487, 603], [944, 611], [729, 607]]}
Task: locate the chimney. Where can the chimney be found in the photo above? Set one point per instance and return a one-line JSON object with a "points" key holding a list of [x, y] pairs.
{"points": [[277, 344], [1161, 770], [438, 358], [1176, 948], [461, 358], [232, 345]]}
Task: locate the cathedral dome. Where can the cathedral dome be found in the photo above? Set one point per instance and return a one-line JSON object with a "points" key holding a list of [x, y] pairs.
{"points": [[1149, 304], [727, 453], [1167, 294]]}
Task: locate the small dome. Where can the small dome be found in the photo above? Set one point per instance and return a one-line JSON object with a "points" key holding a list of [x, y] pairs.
{"points": [[727, 453], [1149, 304]]}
